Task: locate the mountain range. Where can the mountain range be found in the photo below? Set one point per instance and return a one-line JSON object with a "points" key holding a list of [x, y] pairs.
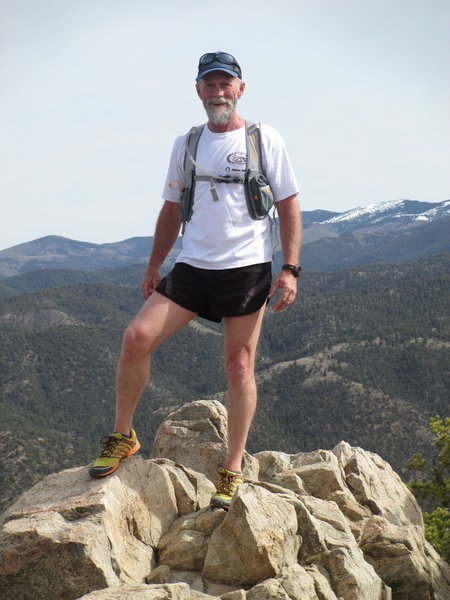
{"points": [[362, 355], [385, 232]]}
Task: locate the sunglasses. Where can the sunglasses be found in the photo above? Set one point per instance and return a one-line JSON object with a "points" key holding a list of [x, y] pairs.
{"points": [[222, 57]]}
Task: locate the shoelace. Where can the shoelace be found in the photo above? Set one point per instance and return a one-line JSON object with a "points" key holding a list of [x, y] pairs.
{"points": [[226, 482], [110, 443]]}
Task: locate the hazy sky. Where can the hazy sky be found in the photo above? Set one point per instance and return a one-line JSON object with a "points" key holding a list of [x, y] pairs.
{"points": [[93, 93]]}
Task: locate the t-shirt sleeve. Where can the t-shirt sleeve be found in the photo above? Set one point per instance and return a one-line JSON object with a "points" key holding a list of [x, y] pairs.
{"points": [[276, 164], [175, 174]]}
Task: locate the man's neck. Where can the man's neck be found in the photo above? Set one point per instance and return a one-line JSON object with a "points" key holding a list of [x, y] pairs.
{"points": [[236, 122]]}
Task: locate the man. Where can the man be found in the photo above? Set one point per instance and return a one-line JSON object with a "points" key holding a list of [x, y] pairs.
{"points": [[222, 272]]}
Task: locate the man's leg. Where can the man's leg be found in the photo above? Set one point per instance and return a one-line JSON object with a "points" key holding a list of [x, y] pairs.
{"points": [[241, 340], [158, 319]]}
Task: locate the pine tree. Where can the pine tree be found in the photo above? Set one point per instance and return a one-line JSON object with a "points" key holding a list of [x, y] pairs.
{"points": [[432, 485]]}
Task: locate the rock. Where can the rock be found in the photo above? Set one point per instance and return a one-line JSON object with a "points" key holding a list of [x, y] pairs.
{"points": [[294, 583], [220, 589], [235, 595], [77, 534], [177, 591], [192, 578], [355, 514], [71, 534], [196, 436], [162, 499], [376, 486], [325, 525], [193, 490], [201, 596], [184, 546], [439, 571], [402, 558], [199, 585], [327, 541], [322, 582], [271, 463], [159, 575], [317, 474], [352, 578], [259, 534], [268, 590], [314, 473]]}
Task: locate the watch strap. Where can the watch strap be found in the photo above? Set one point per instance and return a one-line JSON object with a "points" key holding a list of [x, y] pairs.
{"points": [[295, 269]]}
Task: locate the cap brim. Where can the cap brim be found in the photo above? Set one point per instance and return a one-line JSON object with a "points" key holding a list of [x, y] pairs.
{"points": [[210, 70]]}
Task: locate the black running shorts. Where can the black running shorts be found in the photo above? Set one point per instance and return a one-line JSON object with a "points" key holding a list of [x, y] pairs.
{"points": [[214, 294]]}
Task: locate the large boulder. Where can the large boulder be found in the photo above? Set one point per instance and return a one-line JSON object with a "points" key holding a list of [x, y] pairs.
{"points": [[318, 474], [404, 560], [196, 435], [71, 534], [315, 473], [375, 485], [327, 541], [256, 539]]}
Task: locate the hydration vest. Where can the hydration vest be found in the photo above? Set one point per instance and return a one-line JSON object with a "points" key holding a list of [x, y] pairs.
{"points": [[256, 185]]}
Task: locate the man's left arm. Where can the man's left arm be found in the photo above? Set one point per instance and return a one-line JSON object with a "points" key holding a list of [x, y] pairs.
{"points": [[291, 235]]}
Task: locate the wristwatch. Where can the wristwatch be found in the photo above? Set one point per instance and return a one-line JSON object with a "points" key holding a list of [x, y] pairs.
{"points": [[294, 269]]}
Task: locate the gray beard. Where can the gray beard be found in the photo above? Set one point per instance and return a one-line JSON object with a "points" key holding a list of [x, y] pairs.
{"points": [[220, 114]]}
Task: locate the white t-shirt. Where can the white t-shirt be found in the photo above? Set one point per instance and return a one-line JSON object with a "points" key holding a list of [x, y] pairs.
{"points": [[221, 234]]}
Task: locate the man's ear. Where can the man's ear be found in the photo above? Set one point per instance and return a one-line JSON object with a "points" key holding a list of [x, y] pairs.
{"points": [[241, 89]]}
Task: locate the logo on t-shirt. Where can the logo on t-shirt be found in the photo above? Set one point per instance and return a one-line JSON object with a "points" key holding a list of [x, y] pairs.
{"points": [[237, 158]]}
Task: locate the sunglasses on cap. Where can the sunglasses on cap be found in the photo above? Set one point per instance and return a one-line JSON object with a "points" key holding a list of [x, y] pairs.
{"points": [[220, 57]]}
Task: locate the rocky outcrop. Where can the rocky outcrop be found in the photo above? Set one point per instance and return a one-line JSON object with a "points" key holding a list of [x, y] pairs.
{"points": [[325, 525], [195, 435]]}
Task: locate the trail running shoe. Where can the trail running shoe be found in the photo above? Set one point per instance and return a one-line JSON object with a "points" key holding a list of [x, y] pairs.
{"points": [[115, 448], [229, 481]]}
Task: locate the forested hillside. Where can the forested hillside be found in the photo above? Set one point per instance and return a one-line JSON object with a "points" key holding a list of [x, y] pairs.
{"points": [[362, 356]]}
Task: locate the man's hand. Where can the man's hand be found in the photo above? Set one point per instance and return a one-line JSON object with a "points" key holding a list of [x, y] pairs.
{"points": [[287, 283], [149, 283], [166, 232]]}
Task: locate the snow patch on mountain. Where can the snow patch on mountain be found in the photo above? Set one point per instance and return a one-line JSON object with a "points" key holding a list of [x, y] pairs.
{"points": [[408, 210], [363, 212], [438, 212]]}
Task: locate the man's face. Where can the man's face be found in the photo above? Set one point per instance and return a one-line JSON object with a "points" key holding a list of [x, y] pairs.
{"points": [[219, 93]]}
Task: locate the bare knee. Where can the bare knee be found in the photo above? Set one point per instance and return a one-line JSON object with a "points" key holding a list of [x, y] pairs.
{"points": [[136, 342], [239, 367]]}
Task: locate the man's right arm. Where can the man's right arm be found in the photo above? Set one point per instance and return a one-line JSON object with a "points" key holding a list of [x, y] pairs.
{"points": [[166, 233]]}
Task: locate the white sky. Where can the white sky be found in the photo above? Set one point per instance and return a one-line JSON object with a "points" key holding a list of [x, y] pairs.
{"points": [[93, 93]]}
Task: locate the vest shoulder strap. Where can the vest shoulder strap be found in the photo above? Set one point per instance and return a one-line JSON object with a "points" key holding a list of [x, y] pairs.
{"points": [[253, 141], [192, 140]]}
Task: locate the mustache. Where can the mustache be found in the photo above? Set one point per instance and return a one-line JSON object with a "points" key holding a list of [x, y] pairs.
{"points": [[219, 102], [222, 116]]}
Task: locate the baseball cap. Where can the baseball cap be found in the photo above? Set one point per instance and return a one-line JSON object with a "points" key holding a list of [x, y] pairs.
{"points": [[218, 61]]}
